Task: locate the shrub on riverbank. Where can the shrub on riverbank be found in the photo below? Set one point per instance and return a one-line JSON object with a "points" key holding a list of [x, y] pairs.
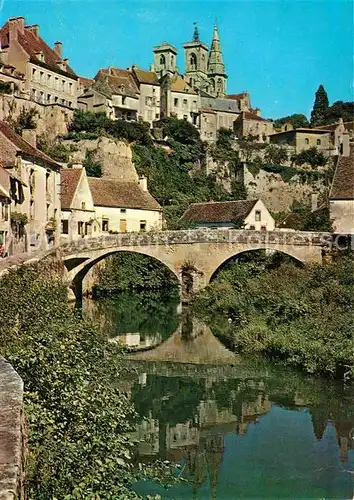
{"points": [[303, 316], [127, 271], [78, 420]]}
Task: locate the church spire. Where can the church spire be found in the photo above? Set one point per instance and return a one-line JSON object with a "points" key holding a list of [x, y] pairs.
{"points": [[196, 33], [216, 67], [216, 63]]}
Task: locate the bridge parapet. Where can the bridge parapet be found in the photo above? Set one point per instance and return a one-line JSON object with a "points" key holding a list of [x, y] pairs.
{"points": [[193, 236]]}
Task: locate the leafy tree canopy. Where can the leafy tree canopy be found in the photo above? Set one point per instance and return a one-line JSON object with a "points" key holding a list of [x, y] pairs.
{"points": [[297, 120]]}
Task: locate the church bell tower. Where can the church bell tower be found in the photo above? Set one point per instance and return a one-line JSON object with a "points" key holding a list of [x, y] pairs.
{"points": [[196, 62]]}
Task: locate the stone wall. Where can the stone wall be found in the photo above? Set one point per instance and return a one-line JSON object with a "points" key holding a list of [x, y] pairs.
{"points": [[12, 441], [52, 120], [277, 194], [115, 157]]}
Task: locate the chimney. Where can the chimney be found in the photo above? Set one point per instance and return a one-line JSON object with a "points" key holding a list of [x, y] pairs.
{"points": [[33, 28], [30, 135], [143, 183], [314, 201], [58, 48], [16, 24]]}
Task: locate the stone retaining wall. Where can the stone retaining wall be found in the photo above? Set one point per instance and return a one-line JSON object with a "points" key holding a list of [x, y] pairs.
{"points": [[12, 446]]}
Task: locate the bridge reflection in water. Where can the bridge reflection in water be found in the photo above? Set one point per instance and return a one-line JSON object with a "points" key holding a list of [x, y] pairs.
{"points": [[216, 414]]}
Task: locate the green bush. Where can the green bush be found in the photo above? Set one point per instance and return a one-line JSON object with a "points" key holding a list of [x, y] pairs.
{"points": [[305, 320], [93, 168], [78, 420]]}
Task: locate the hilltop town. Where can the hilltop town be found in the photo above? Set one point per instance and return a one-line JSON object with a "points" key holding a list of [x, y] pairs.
{"points": [[131, 149]]}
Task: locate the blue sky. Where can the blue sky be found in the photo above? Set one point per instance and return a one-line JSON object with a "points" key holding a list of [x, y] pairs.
{"points": [[278, 50]]}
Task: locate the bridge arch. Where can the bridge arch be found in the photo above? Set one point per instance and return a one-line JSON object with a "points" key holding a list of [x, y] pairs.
{"points": [[222, 260], [77, 273]]}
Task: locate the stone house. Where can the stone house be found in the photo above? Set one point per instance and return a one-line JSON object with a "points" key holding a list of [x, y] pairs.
{"points": [[246, 214], [248, 123], [208, 124], [124, 206], [300, 139], [243, 101], [226, 110], [35, 194], [48, 77], [339, 137], [341, 196], [78, 217], [149, 94], [179, 99], [116, 92], [5, 210]]}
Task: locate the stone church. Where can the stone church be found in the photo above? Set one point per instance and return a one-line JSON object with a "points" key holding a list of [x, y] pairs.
{"points": [[204, 69]]}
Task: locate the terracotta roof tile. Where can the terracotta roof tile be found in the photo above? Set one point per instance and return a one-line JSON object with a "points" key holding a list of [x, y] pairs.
{"points": [[86, 82], [246, 115], [219, 211], [12, 143], [107, 193], [180, 85], [148, 77], [237, 96], [32, 45], [69, 180], [343, 180]]}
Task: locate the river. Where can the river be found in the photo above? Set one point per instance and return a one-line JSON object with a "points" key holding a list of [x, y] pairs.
{"points": [[238, 428]]}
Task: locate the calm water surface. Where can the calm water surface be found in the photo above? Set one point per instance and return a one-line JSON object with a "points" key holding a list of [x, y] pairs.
{"points": [[238, 428]]}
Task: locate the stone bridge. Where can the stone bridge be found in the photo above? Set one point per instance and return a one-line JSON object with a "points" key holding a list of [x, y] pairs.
{"points": [[198, 252]]}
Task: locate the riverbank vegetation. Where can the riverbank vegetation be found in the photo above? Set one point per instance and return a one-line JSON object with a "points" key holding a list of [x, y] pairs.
{"points": [[77, 418], [300, 315]]}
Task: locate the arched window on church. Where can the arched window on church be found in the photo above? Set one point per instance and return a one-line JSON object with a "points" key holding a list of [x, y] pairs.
{"points": [[220, 88], [213, 84], [162, 60], [172, 61], [193, 62]]}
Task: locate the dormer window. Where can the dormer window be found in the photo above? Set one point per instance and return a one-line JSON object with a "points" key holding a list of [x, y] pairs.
{"points": [[40, 56], [122, 88]]}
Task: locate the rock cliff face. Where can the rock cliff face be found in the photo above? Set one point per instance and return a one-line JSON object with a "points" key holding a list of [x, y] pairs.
{"points": [[115, 157]]}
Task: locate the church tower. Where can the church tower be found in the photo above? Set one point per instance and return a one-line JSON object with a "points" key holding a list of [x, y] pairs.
{"points": [[196, 62], [216, 67], [165, 60]]}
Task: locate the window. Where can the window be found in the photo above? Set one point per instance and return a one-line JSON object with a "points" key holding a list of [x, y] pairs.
{"points": [[5, 211], [143, 225], [253, 227], [185, 117], [148, 101], [70, 88], [83, 205], [124, 100], [32, 210], [123, 210], [149, 115], [175, 102], [318, 142], [263, 228], [105, 225], [63, 85], [193, 62], [80, 228], [34, 74], [258, 215], [49, 80], [65, 226], [162, 60], [41, 76], [49, 98], [307, 141], [185, 103], [47, 177]]}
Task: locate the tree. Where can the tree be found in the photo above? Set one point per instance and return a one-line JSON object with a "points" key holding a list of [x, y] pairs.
{"points": [[320, 106], [297, 120], [339, 109]]}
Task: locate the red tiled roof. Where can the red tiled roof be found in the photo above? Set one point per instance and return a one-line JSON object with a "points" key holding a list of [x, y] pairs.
{"points": [[246, 115], [237, 97], [343, 180], [178, 84], [86, 82], [107, 193], [219, 211], [12, 143], [148, 77], [69, 180], [32, 45]]}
